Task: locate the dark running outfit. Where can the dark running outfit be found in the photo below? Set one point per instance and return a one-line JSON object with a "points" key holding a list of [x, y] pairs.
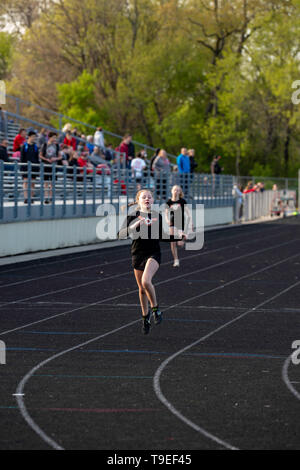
{"points": [[177, 207], [143, 249]]}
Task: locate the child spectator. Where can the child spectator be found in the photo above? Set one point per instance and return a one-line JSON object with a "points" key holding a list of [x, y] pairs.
{"points": [[19, 140], [69, 140], [90, 144]]}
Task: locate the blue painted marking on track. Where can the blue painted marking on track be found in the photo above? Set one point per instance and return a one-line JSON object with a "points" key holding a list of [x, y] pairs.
{"points": [[94, 376], [187, 320], [133, 351], [58, 332]]}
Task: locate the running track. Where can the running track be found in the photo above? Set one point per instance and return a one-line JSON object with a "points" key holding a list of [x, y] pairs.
{"points": [[216, 374]]}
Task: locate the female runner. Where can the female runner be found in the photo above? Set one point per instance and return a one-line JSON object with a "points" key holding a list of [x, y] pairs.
{"points": [[177, 215], [146, 228]]}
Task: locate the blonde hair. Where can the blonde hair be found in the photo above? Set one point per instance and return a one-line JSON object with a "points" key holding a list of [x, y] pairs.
{"points": [[137, 196], [181, 194], [67, 127], [161, 153]]}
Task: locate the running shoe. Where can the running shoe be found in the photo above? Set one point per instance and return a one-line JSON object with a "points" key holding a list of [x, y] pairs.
{"points": [[176, 263], [146, 324], [157, 315]]}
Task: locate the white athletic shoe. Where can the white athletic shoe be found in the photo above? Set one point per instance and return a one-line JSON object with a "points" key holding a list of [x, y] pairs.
{"points": [[176, 263]]}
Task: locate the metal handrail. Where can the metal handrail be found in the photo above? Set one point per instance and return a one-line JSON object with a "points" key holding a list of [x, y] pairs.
{"points": [[68, 118]]}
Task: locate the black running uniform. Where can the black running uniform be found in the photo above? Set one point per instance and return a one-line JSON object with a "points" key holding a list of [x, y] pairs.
{"points": [[146, 238], [174, 207]]}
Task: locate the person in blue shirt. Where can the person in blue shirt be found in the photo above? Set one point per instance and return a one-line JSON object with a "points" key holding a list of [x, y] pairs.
{"points": [[184, 169]]}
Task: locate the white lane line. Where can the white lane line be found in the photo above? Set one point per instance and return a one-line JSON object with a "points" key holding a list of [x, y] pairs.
{"points": [[25, 379], [46, 263], [105, 278], [158, 373], [285, 377], [157, 284], [115, 250], [121, 274]]}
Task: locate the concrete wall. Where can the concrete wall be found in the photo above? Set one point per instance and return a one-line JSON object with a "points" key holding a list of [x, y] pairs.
{"points": [[32, 236]]}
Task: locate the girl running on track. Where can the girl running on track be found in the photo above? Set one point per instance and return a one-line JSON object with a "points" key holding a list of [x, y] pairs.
{"points": [[146, 228], [177, 214]]}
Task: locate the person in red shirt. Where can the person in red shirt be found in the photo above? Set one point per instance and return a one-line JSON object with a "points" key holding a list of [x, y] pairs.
{"points": [[124, 149], [250, 188], [83, 161], [69, 140], [19, 140]]}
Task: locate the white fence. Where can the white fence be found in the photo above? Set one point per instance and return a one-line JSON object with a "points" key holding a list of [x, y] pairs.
{"points": [[253, 206]]}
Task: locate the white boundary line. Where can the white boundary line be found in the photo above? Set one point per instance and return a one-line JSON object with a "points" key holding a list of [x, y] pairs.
{"points": [[158, 373], [11, 302], [52, 443], [285, 377], [103, 265], [27, 257], [134, 290]]}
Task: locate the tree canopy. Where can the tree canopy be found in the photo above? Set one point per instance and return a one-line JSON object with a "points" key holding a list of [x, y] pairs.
{"points": [[213, 75]]}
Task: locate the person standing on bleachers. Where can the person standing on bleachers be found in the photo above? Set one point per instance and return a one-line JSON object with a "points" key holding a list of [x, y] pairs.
{"points": [[19, 140], [3, 151], [184, 170], [29, 153], [50, 154]]}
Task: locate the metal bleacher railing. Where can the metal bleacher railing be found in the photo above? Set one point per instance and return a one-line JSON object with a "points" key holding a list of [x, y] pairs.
{"points": [[77, 191], [18, 104]]}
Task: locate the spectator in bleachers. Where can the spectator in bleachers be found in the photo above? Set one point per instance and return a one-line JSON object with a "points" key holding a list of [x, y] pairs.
{"points": [[69, 158], [152, 161], [75, 135], [123, 148], [161, 167], [99, 138], [29, 153], [2, 120], [260, 187], [97, 157], [131, 151], [67, 127], [83, 161], [250, 188], [193, 163], [49, 154], [216, 170], [90, 144], [19, 140], [137, 167], [109, 153], [3, 151], [69, 140], [184, 170], [41, 138], [82, 147]]}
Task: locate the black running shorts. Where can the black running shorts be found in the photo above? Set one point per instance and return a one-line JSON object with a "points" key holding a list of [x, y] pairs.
{"points": [[139, 261]]}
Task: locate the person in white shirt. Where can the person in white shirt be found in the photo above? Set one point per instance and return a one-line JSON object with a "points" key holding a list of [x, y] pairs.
{"points": [[99, 138], [137, 167]]}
